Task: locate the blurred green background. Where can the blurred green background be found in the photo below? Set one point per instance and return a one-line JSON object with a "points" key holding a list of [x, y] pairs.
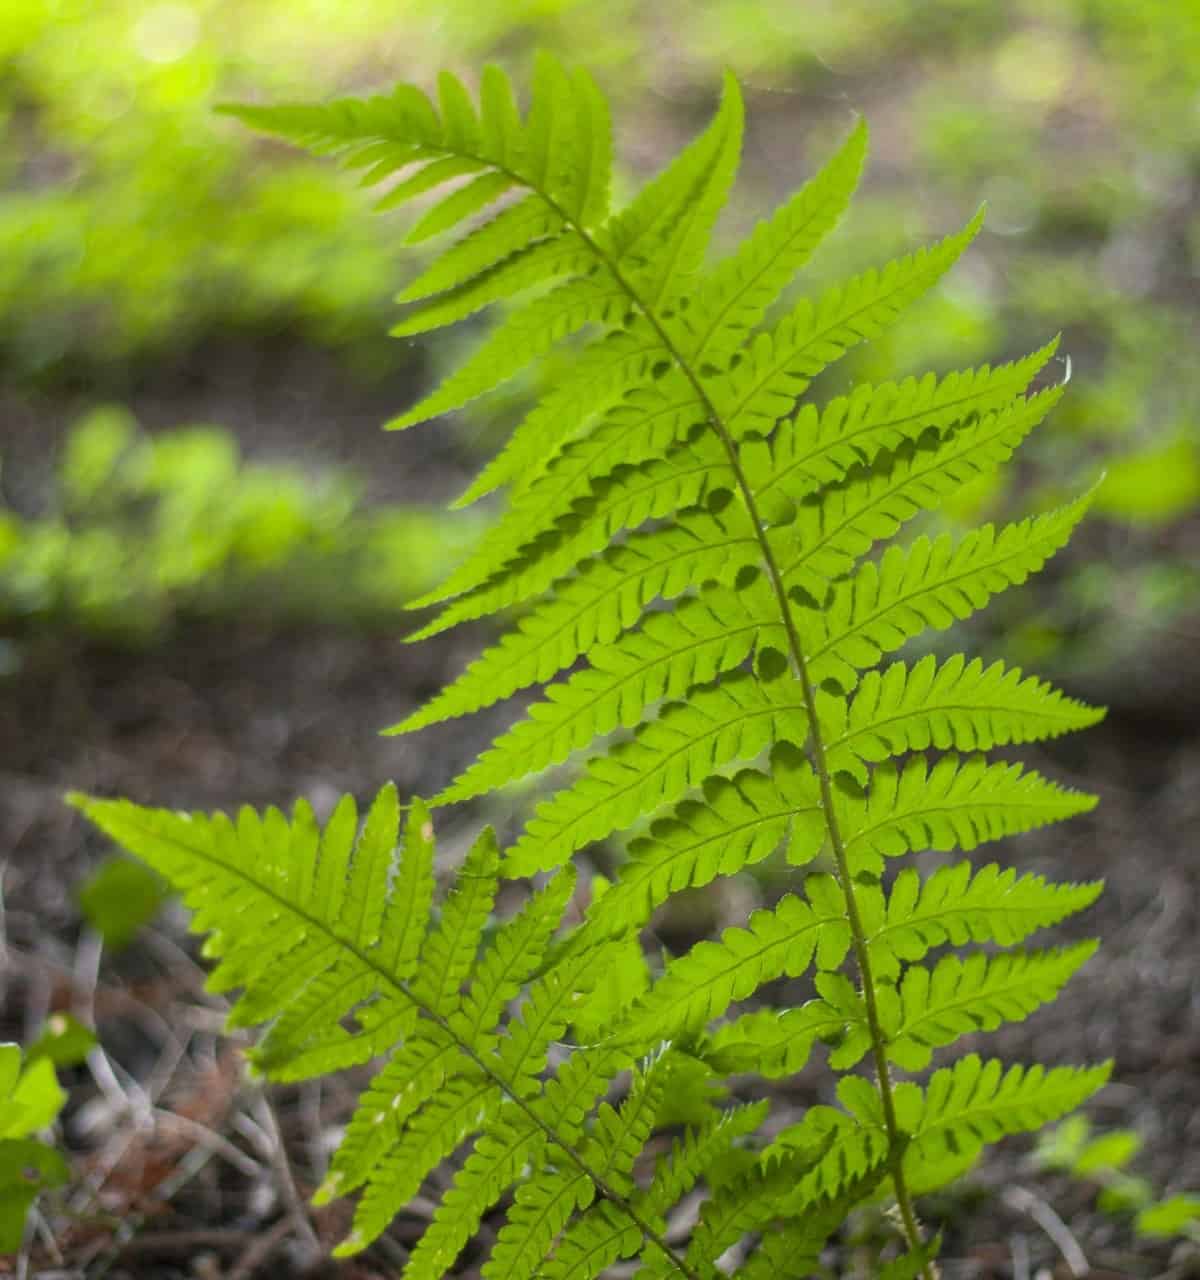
{"points": [[144, 238]]}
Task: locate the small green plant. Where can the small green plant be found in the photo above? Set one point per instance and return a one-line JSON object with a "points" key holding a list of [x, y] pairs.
{"points": [[1103, 1159], [30, 1100], [148, 531], [707, 537]]}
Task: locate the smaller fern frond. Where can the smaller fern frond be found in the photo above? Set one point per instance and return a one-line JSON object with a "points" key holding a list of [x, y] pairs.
{"points": [[931, 1008], [740, 821], [779, 365], [701, 985], [958, 905], [956, 804], [667, 757], [956, 705], [929, 584], [975, 1102], [701, 638]]}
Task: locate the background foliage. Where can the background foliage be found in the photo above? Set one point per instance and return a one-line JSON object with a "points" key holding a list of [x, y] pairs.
{"points": [[1076, 120]]}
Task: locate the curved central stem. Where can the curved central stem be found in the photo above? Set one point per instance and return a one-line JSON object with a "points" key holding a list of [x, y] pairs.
{"points": [[816, 744]]}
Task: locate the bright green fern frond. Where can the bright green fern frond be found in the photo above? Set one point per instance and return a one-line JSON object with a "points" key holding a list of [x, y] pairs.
{"points": [[741, 288], [700, 639], [694, 547], [779, 365], [957, 906], [956, 804], [701, 985], [931, 1008], [667, 757], [976, 1102], [605, 598], [929, 584], [957, 705], [828, 537], [818, 447]]}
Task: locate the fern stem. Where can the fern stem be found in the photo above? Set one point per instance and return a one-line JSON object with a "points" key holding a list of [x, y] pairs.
{"points": [[816, 746]]}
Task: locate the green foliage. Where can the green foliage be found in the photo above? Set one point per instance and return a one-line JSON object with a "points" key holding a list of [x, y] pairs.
{"points": [[1103, 1159], [738, 700], [30, 1099], [145, 532], [119, 897]]}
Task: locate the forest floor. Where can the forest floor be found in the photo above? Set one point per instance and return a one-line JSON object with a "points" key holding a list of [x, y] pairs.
{"points": [[180, 1170]]}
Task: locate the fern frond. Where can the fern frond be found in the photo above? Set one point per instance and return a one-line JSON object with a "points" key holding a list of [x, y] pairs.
{"points": [[956, 804], [818, 446], [933, 1007], [930, 584], [779, 365], [701, 638], [742, 287], [828, 537], [667, 757], [957, 906], [606, 597], [957, 705], [694, 550], [740, 821], [976, 1102], [701, 985], [553, 529]]}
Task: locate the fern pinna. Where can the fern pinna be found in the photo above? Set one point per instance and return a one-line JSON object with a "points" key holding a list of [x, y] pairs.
{"points": [[691, 545]]}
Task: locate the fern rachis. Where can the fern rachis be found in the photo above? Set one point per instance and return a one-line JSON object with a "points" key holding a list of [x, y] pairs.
{"points": [[705, 543]]}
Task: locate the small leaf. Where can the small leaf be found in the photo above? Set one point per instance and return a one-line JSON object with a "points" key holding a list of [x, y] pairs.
{"points": [[119, 897]]}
